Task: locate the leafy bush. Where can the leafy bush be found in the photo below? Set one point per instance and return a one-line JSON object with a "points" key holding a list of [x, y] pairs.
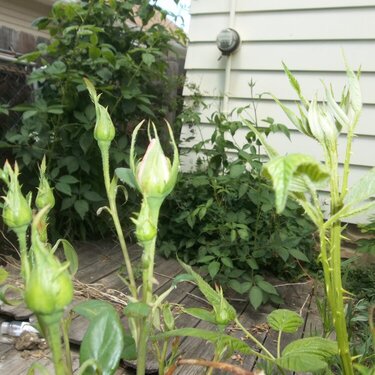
{"points": [[127, 62], [367, 245], [222, 218], [360, 282]]}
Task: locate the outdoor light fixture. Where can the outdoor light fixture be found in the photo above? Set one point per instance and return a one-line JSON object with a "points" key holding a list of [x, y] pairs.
{"points": [[228, 41]]}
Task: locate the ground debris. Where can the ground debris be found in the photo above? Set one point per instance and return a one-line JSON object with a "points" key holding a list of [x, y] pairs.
{"points": [[30, 341]]}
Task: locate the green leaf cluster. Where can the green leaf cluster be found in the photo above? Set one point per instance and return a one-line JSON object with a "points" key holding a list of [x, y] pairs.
{"points": [[109, 43], [224, 218]]}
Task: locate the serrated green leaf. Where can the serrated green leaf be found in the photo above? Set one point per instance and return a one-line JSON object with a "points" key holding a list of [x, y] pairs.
{"points": [[256, 297], [64, 188], [227, 262], [252, 263], [85, 141], [283, 253], [271, 152], [240, 287], [67, 179], [267, 287], [103, 342], [206, 259], [67, 203], [295, 253], [282, 169], [202, 314], [284, 320], [236, 170], [130, 351], [93, 196], [213, 268], [137, 310], [126, 175], [181, 278], [362, 190], [308, 355], [213, 297], [82, 207], [148, 58], [92, 308]]}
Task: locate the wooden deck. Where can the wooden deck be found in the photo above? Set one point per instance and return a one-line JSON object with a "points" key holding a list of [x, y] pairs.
{"points": [[99, 263]]}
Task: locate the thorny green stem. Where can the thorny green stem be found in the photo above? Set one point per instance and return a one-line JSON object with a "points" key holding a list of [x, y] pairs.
{"points": [[111, 195], [325, 264], [68, 357], [269, 356], [25, 265], [51, 324], [162, 357], [147, 281], [335, 296]]}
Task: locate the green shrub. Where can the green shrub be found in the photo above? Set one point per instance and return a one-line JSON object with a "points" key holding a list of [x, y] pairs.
{"points": [[222, 218], [127, 63]]}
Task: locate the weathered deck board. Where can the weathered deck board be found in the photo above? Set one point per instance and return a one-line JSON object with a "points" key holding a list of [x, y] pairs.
{"points": [[99, 263]]}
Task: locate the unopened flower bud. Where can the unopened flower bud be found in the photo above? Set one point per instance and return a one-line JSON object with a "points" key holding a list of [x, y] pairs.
{"points": [[224, 313], [104, 129], [145, 231], [45, 195], [16, 211], [154, 174], [49, 287]]}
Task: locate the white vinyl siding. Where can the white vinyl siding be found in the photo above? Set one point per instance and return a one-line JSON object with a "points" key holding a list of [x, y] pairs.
{"points": [[19, 14], [310, 37]]}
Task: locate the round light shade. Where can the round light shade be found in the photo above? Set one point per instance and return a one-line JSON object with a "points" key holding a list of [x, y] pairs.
{"points": [[228, 41]]}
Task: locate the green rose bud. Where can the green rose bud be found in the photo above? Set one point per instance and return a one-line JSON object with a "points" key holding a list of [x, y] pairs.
{"points": [[45, 195], [154, 171], [104, 129], [145, 229], [224, 313], [16, 211], [154, 174], [49, 287]]}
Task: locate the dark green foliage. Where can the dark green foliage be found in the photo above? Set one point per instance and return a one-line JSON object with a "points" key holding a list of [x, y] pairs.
{"points": [[367, 245], [222, 218], [360, 281], [127, 63]]}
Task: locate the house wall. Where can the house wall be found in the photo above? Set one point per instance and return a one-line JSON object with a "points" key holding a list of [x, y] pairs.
{"points": [[16, 16], [309, 36]]}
